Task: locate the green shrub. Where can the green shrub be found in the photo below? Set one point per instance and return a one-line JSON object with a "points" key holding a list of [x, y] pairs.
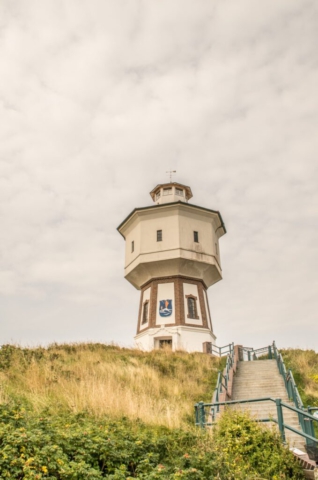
{"points": [[248, 448], [79, 447]]}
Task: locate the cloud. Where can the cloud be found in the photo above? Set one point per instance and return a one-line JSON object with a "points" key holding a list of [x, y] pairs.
{"points": [[98, 100]]}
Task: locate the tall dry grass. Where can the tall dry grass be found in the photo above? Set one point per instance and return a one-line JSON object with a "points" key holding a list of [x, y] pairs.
{"points": [[304, 365], [159, 387]]}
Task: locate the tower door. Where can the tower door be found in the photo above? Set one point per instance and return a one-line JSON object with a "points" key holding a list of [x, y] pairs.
{"points": [[165, 343]]}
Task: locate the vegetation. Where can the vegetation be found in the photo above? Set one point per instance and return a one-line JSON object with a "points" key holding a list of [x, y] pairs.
{"points": [[304, 365], [90, 411], [159, 387], [77, 446]]}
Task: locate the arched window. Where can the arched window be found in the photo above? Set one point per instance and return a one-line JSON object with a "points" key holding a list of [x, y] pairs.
{"points": [[192, 307], [145, 312]]}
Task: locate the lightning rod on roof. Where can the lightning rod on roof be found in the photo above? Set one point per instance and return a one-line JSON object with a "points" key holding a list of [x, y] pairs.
{"points": [[170, 173]]}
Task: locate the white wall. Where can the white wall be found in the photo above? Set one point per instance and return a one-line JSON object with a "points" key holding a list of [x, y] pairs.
{"points": [[203, 224], [178, 222], [190, 339], [165, 292], [177, 225], [132, 234], [164, 220]]}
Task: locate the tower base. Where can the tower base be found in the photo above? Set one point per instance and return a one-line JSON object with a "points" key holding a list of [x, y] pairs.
{"points": [[190, 339]]}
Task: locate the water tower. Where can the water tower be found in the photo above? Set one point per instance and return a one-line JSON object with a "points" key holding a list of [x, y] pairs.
{"points": [[173, 257]]}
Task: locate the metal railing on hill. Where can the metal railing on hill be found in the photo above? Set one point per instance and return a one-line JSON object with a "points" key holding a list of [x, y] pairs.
{"points": [[222, 394], [223, 389], [249, 354], [201, 415], [221, 351]]}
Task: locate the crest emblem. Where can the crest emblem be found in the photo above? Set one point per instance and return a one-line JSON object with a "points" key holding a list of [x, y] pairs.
{"points": [[165, 308]]}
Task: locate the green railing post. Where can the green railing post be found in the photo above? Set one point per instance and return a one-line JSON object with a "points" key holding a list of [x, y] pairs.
{"points": [[201, 415], [289, 386], [248, 355], [280, 363], [275, 350], [196, 411], [220, 380], [270, 352], [292, 386], [280, 418], [308, 428], [311, 427], [212, 414]]}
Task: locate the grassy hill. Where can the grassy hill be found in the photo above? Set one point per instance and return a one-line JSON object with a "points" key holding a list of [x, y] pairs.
{"points": [[304, 365], [92, 411], [158, 387]]}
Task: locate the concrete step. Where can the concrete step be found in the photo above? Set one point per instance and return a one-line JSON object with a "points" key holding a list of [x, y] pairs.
{"points": [[239, 383], [255, 368], [251, 379], [244, 386], [245, 393], [240, 393], [262, 379]]}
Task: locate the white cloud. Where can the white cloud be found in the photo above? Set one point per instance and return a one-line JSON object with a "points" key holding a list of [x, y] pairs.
{"points": [[98, 99]]}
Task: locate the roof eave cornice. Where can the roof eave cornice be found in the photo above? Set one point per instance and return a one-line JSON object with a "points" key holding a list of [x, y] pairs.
{"points": [[167, 205]]}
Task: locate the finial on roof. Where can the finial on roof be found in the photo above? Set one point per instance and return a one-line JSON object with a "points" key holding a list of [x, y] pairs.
{"points": [[170, 174]]}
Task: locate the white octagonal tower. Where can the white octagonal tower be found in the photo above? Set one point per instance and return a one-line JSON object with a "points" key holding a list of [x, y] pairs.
{"points": [[173, 257]]}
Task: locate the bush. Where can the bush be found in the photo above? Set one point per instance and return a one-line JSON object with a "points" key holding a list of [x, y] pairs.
{"points": [[248, 448], [78, 447]]}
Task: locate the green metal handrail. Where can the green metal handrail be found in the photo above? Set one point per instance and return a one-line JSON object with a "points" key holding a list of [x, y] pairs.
{"points": [[305, 418], [224, 376], [221, 351], [252, 354], [292, 391], [200, 416]]}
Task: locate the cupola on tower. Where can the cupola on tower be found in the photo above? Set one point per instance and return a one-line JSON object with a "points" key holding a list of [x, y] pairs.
{"points": [[173, 257]]}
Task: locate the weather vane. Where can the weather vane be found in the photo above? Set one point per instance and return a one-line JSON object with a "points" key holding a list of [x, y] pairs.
{"points": [[170, 173]]}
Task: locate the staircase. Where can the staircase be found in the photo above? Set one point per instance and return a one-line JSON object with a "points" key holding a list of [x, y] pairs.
{"points": [[258, 379], [245, 381]]}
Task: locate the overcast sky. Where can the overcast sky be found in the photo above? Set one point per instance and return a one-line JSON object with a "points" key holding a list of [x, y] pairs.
{"points": [[98, 99]]}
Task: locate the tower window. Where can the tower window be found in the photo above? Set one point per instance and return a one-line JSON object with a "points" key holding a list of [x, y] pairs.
{"points": [[192, 307], [158, 195], [179, 191], [167, 191], [132, 246], [159, 235], [145, 312], [196, 237]]}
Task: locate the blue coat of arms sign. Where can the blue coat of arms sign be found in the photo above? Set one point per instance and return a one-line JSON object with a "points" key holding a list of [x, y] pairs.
{"points": [[165, 308]]}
